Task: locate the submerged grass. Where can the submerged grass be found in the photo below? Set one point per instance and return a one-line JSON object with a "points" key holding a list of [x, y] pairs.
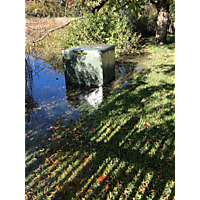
{"points": [[123, 150]]}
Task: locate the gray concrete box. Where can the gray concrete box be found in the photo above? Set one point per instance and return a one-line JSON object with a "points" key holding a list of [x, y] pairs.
{"points": [[91, 65]]}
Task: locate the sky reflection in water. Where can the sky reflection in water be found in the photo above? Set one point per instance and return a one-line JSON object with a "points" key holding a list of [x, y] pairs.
{"points": [[47, 97]]}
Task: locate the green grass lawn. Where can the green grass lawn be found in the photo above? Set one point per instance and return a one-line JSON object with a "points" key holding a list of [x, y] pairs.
{"points": [[123, 150]]}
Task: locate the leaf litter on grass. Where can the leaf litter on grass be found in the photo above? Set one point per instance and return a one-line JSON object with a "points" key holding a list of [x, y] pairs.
{"points": [[139, 141]]}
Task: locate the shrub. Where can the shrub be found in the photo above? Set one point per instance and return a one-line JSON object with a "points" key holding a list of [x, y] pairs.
{"points": [[103, 28]]}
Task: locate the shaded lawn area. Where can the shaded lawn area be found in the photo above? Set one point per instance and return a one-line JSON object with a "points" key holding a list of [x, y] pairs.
{"points": [[123, 150]]}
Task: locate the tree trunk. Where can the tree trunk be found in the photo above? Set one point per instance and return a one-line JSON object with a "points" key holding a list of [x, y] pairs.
{"points": [[163, 16]]}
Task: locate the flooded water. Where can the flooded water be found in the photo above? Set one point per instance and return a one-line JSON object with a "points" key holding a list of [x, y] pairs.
{"points": [[48, 97]]}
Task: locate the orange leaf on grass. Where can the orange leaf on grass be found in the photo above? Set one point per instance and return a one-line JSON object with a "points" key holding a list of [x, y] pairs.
{"points": [[88, 191], [55, 162], [87, 159], [47, 161], [101, 178], [128, 169], [52, 155], [106, 186]]}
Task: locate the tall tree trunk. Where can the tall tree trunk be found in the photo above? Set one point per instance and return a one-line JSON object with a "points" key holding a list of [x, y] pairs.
{"points": [[163, 16]]}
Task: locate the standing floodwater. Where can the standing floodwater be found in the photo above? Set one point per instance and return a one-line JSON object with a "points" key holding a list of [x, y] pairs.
{"points": [[48, 96], [45, 98]]}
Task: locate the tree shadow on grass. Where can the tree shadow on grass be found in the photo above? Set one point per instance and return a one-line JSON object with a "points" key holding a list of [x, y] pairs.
{"points": [[114, 153], [170, 44], [111, 149]]}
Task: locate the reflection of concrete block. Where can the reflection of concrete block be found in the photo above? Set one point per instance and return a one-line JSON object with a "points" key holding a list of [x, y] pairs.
{"points": [[95, 98], [92, 65]]}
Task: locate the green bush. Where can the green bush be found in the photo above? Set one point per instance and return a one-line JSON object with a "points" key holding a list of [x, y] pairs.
{"points": [[99, 28]]}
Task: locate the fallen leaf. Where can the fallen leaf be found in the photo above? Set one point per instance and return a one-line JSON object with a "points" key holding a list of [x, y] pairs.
{"points": [[47, 161], [101, 178], [87, 159], [106, 186], [55, 162], [52, 155], [128, 169], [88, 191]]}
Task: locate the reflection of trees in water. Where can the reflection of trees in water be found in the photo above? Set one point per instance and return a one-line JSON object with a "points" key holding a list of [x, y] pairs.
{"points": [[30, 102]]}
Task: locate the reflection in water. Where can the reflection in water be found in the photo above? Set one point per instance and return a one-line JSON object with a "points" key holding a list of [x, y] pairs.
{"points": [[84, 98], [94, 98], [48, 96], [45, 97]]}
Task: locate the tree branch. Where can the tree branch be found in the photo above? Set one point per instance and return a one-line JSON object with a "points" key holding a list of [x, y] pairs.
{"points": [[99, 5], [30, 27], [51, 30]]}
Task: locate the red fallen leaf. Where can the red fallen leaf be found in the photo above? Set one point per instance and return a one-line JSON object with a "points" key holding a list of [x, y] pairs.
{"points": [[106, 186]]}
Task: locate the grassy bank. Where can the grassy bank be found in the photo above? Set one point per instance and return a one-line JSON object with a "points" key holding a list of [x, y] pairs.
{"points": [[123, 150]]}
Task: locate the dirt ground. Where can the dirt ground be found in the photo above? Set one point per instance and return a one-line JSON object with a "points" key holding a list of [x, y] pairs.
{"points": [[38, 23]]}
